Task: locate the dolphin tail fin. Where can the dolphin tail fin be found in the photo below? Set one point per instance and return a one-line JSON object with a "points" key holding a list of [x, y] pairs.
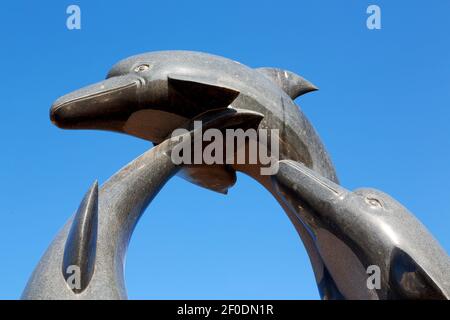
{"points": [[291, 83], [80, 248]]}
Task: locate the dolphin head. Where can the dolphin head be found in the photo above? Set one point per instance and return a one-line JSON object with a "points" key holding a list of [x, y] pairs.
{"points": [[107, 104], [331, 200], [145, 95], [366, 227]]}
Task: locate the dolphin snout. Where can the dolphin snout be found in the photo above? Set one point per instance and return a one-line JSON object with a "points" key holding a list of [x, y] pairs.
{"points": [[308, 185], [103, 105]]}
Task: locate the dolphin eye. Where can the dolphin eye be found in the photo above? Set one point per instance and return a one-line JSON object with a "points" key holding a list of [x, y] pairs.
{"points": [[373, 202], [142, 68]]}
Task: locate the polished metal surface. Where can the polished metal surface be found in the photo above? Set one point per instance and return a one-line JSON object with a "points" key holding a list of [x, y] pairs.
{"points": [[354, 230], [149, 96], [99, 248]]}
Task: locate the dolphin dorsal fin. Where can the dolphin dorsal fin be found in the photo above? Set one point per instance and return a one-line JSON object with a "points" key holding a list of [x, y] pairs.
{"points": [[80, 248], [289, 82]]}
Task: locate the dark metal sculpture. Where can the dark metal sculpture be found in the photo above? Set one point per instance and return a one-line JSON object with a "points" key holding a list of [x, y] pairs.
{"points": [[366, 227], [150, 95], [96, 238]]}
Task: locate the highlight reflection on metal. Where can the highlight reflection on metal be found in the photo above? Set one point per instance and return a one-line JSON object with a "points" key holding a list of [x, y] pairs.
{"points": [[150, 95]]}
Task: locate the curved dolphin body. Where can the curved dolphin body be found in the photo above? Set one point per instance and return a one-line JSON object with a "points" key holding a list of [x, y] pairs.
{"points": [[86, 259], [99, 262], [361, 233], [151, 94]]}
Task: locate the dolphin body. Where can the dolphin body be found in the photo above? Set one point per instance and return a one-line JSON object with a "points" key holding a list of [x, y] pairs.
{"points": [[95, 239], [365, 230], [150, 95], [93, 243]]}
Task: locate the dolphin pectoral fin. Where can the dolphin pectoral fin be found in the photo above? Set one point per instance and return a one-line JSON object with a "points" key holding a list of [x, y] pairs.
{"points": [[143, 124], [202, 92], [219, 177], [228, 118], [410, 281], [214, 177], [291, 83], [80, 248]]}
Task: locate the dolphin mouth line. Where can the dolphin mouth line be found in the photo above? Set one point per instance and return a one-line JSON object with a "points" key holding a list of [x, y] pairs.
{"points": [[314, 178], [135, 83]]}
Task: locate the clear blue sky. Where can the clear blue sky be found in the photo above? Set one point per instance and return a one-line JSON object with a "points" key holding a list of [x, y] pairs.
{"points": [[382, 111]]}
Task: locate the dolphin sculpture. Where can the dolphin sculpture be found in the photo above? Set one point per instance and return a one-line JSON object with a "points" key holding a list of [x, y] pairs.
{"points": [[93, 243], [357, 230], [149, 95]]}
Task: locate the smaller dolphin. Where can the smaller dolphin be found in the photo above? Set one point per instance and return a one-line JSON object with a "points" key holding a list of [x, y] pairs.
{"points": [[363, 230]]}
